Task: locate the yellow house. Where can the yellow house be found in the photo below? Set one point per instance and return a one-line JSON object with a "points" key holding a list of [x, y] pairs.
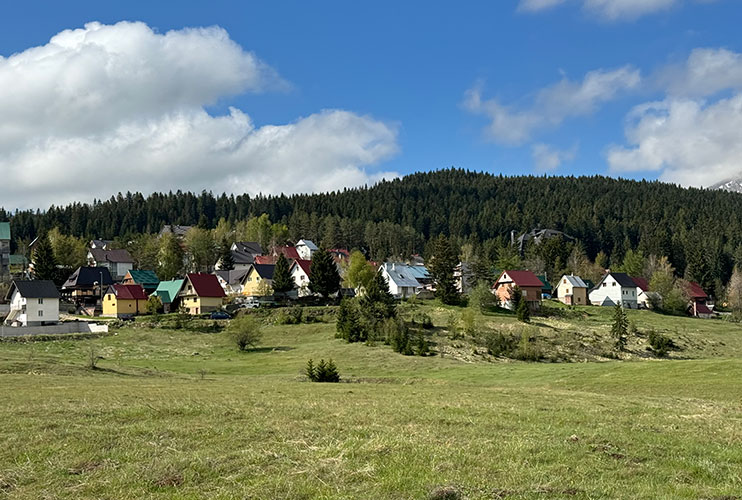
{"points": [[201, 293], [258, 281], [124, 300]]}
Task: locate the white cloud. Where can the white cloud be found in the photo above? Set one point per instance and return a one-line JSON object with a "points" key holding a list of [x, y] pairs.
{"points": [[115, 108], [547, 158], [610, 10], [689, 137], [551, 105]]}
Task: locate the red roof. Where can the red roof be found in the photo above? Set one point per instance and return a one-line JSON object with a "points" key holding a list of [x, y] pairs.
{"points": [[265, 259], [703, 309], [523, 278], [641, 283], [130, 292], [288, 252], [305, 265], [695, 291], [206, 285]]}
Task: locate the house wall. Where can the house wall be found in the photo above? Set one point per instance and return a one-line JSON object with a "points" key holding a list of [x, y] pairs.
{"points": [[35, 313], [113, 306], [579, 294], [503, 292], [199, 305], [119, 269], [255, 286], [301, 281], [618, 294]]}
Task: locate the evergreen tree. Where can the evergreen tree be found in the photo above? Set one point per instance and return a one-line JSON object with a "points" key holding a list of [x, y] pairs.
{"points": [[44, 262], [620, 327], [325, 276], [170, 257], [481, 271], [282, 281], [442, 264], [377, 303], [226, 259], [523, 311]]}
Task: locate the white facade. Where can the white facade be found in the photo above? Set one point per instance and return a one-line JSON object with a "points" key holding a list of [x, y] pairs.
{"points": [[32, 311], [610, 292], [301, 280], [401, 279], [306, 249]]}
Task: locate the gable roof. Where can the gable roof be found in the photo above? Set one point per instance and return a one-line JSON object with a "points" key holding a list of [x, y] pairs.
{"points": [[36, 289], [546, 285], [205, 285], [265, 271], [622, 279], [100, 255], [144, 277], [264, 260], [231, 277], [695, 291], [287, 251], [420, 272], [86, 276], [128, 292], [307, 243], [4, 230], [641, 283], [168, 290], [522, 278], [305, 265], [400, 274], [252, 247], [574, 281]]}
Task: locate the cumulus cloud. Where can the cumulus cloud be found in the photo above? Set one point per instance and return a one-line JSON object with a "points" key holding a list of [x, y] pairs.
{"points": [[610, 10], [691, 137], [110, 108], [548, 158], [551, 105]]}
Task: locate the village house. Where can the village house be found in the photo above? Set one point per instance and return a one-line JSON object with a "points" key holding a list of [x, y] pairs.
{"points": [[243, 254], [168, 292], [258, 281], [306, 249], [644, 297], [547, 291], [118, 262], [4, 248], [201, 293], [528, 284], [401, 279], [288, 251], [615, 288], [33, 303], [86, 284], [698, 301], [100, 244], [462, 275], [231, 281], [123, 301], [571, 290], [148, 280], [300, 272]]}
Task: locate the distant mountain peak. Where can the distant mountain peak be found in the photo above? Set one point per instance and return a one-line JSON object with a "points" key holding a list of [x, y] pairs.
{"points": [[734, 185]]}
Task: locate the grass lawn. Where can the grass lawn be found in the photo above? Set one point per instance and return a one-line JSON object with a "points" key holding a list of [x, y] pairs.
{"points": [[179, 414]]}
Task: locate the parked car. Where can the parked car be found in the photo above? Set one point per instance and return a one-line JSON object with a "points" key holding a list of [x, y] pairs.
{"points": [[250, 304], [220, 315]]}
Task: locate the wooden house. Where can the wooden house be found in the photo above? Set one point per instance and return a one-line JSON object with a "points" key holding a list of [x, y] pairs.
{"points": [[528, 283]]}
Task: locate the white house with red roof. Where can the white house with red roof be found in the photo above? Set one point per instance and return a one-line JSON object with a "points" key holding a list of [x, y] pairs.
{"points": [[528, 283], [300, 272]]}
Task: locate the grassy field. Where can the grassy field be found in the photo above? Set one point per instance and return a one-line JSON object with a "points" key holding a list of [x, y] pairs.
{"points": [[180, 414]]}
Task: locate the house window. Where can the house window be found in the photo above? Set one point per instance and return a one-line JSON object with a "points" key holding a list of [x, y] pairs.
{"points": [[633, 293], [604, 284], [567, 292], [41, 313], [525, 293], [613, 284], [41, 301], [565, 282]]}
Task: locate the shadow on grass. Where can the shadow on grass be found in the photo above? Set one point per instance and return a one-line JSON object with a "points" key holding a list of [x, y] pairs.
{"points": [[280, 348]]}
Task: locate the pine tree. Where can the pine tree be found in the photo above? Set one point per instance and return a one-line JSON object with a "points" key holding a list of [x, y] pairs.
{"points": [[442, 264], [226, 259], [44, 262], [170, 257], [378, 300], [523, 311], [325, 278], [282, 281], [620, 328]]}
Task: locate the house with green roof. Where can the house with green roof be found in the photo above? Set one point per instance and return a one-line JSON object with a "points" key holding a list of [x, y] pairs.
{"points": [[4, 248], [146, 279], [547, 290], [168, 292]]}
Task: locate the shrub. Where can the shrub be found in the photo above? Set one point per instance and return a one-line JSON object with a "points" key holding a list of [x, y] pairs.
{"points": [[290, 316], [245, 331], [154, 305], [423, 319], [467, 319], [660, 344], [526, 351], [349, 325], [397, 335], [499, 344], [522, 310], [482, 298], [422, 347], [323, 372]]}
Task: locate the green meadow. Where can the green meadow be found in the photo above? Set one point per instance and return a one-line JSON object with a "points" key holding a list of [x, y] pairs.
{"points": [[181, 414]]}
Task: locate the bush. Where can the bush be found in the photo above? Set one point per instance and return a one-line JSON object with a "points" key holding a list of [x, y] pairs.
{"points": [[660, 344], [397, 335], [499, 344], [323, 372], [245, 331], [290, 316], [482, 298], [154, 305], [526, 351], [423, 319]]}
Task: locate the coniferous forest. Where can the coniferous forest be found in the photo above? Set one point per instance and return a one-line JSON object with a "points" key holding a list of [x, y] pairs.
{"points": [[695, 228]]}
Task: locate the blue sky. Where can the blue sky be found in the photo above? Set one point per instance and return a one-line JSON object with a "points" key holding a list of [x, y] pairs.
{"points": [[409, 70]]}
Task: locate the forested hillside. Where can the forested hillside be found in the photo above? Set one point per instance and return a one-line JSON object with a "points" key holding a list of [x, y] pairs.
{"points": [[693, 227]]}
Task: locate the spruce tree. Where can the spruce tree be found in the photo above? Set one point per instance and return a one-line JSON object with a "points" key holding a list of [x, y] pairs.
{"points": [[226, 259], [44, 262], [325, 278], [282, 281], [523, 311], [620, 327], [378, 300], [442, 264]]}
